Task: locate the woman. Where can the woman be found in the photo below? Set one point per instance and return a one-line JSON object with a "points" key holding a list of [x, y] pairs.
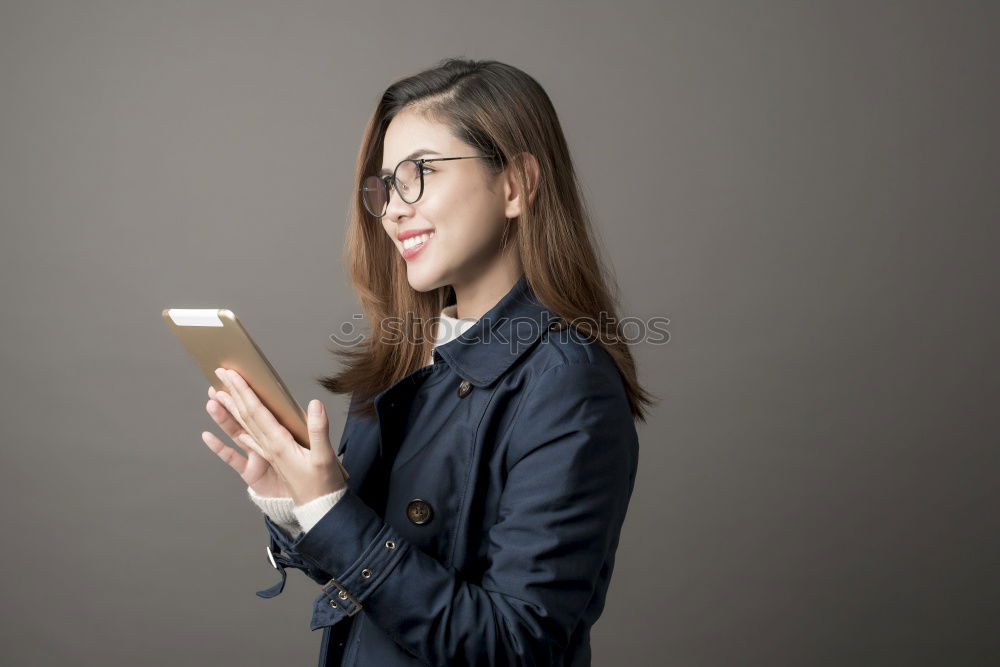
{"points": [[491, 463]]}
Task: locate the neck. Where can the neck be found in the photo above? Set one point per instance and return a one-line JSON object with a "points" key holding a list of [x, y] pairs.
{"points": [[475, 297]]}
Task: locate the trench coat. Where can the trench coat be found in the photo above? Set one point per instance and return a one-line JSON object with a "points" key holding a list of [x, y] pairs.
{"points": [[484, 505]]}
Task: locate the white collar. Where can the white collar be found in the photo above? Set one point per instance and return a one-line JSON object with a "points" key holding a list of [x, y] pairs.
{"points": [[449, 327]]}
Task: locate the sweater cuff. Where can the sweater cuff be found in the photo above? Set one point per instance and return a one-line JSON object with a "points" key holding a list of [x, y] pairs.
{"points": [[309, 514], [279, 509]]}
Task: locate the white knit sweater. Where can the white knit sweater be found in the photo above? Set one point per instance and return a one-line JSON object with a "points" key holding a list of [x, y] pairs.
{"points": [[294, 520]]}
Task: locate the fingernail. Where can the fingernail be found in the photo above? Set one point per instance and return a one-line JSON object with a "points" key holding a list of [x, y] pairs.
{"points": [[314, 407]]}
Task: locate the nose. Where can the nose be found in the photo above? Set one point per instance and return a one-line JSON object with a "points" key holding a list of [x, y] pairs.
{"points": [[397, 208]]}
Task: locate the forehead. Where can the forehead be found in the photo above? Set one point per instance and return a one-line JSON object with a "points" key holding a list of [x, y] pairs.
{"points": [[410, 131]]}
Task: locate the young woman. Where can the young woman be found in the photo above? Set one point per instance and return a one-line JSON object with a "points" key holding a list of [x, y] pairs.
{"points": [[491, 458]]}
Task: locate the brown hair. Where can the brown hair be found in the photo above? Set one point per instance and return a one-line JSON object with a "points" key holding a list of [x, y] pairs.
{"points": [[503, 112]]}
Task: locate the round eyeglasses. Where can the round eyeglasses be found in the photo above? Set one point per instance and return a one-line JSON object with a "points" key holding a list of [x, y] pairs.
{"points": [[407, 179]]}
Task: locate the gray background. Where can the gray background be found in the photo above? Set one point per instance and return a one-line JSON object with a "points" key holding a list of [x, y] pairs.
{"points": [[807, 190]]}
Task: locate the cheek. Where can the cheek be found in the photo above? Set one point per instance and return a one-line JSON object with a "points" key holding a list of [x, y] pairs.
{"points": [[443, 205], [464, 217]]}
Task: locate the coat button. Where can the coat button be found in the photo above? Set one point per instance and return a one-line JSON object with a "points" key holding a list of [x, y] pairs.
{"points": [[464, 388], [557, 325], [419, 511]]}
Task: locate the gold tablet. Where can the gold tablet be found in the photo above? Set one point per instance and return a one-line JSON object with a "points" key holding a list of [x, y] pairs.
{"points": [[215, 338]]}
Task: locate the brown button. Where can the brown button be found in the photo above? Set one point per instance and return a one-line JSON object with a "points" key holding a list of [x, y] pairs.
{"points": [[419, 511], [464, 388], [557, 325]]}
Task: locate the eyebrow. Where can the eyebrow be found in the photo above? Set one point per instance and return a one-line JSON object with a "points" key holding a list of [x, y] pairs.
{"points": [[419, 151]]}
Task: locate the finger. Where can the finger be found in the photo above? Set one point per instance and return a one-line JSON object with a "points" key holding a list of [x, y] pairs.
{"points": [[224, 418], [236, 404], [229, 455], [248, 442], [319, 430], [256, 413], [246, 439], [232, 413], [233, 428], [241, 407], [254, 439]]}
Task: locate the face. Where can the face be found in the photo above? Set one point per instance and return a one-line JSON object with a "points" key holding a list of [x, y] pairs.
{"points": [[462, 211]]}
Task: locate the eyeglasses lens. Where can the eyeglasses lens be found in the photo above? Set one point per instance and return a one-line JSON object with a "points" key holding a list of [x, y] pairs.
{"points": [[375, 195]]}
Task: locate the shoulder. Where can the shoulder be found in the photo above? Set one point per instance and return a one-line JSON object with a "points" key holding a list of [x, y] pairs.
{"points": [[564, 353], [569, 382]]}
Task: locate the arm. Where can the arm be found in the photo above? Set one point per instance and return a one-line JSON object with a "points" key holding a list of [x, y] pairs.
{"points": [[572, 466]]}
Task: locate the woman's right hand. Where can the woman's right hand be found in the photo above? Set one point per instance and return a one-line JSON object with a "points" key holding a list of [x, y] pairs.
{"points": [[255, 471]]}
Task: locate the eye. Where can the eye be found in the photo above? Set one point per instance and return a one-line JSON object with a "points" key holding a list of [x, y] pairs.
{"points": [[427, 169]]}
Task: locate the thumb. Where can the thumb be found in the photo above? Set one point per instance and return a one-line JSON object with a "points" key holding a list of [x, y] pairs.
{"points": [[319, 427]]}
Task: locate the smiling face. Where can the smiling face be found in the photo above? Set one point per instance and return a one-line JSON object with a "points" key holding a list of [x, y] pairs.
{"points": [[462, 212]]}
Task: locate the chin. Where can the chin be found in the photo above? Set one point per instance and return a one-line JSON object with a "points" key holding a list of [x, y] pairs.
{"points": [[422, 280]]}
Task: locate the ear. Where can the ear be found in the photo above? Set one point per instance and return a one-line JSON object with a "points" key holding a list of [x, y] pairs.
{"points": [[517, 199]]}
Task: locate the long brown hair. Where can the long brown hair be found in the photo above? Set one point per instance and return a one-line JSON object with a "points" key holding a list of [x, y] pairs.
{"points": [[503, 112]]}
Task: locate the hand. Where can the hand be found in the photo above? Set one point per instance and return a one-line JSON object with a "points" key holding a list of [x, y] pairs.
{"points": [[258, 474], [307, 473]]}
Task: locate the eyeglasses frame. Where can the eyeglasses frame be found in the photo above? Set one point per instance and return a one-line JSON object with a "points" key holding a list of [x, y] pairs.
{"points": [[389, 187]]}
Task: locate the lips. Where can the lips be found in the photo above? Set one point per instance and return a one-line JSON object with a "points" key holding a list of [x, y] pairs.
{"points": [[402, 236], [414, 242]]}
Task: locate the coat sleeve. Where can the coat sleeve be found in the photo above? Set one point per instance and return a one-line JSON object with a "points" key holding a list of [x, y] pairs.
{"points": [[571, 469]]}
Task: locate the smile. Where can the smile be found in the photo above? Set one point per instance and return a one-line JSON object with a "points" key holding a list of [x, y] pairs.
{"points": [[415, 244]]}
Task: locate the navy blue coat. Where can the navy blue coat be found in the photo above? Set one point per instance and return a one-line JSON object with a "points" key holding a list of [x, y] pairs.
{"points": [[484, 506]]}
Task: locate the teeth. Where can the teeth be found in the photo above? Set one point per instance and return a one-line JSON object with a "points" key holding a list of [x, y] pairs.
{"points": [[416, 240]]}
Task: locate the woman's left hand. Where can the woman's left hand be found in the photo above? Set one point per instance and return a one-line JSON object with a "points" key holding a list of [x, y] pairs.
{"points": [[308, 473]]}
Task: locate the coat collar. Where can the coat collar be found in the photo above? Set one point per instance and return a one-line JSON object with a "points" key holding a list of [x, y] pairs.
{"points": [[484, 351]]}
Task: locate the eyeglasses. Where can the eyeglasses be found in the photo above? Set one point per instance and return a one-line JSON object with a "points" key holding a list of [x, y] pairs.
{"points": [[408, 180]]}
